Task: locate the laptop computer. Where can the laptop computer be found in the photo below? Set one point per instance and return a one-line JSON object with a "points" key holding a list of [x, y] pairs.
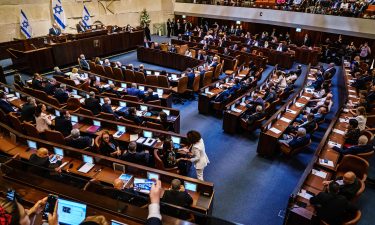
{"points": [[124, 85], [74, 119], [87, 165], [69, 212], [95, 127], [59, 155], [190, 186], [120, 131], [122, 107], [142, 88], [143, 108], [167, 111], [32, 145], [176, 142]]}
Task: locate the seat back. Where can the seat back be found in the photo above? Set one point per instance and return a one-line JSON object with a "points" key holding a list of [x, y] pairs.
{"points": [[193, 53], [164, 47], [182, 85], [355, 164], [86, 112], [70, 82], [85, 85], [368, 134], [217, 71], [139, 77], [92, 66], [182, 49], [16, 123], [53, 101], [366, 156], [360, 190], [129, 76], [73, 104], [152, 80], [31, 130], [117, 74], [107, 116], [154, 125], [100, 70], [55, 136], [163, 81], [123, 120], [207, 78], [290, 151], [131, 98], [155, 102], [196, 83], [108, 71]]}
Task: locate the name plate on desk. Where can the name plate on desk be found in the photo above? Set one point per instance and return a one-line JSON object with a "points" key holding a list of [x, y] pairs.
{"points": [[236, 110], [318, 173], [337, 131], [305, 97], [285, 119], [299, 105], [332, 143], [326, 162], [291, 111], [343, 120], [276, 131], [304, 194]]}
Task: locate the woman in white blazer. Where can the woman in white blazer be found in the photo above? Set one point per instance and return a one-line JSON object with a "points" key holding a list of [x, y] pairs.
{"points": [[199, 156]]}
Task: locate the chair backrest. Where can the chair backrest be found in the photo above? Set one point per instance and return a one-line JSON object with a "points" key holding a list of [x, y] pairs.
{"points": [[355, 164], [131, 98], [107, 116], [207, 78], [109, 94], [31, 130], [164, 47], [368, 134], [129, 75], [154, 125], [117, 74], [69, 81], [217, 71], [123, 120], [85, 85], [73, 104], [235, 65], [108, 71], [53, 101], [16, 123], [158, 162], [360, 191], [139, 77], [155, 102], [163, 81], [92, 66], [100, 70], [3, 116], [182, 49], [366, 156], [41, 95], [152, 80], [86, 112], [55, 136], [196, 83], [353, 220], [182, 84], [193, 53]]}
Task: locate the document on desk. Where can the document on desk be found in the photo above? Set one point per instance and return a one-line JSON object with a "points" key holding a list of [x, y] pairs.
{"points": [[343, 120], [209, 93], [305, 97], [345, 110], [304, 194], [351, 81], [352, 96], [236, 110], [9, 95], [337, 131], [77, 96], [318, 173], [276, 131], [285, 119], [326, 162], [332, 143], [353, 91], [133, 137], [12, 99], [291, 111], [241, 75], [299, 105], [120, 89], [86, 168], [141, 140]]}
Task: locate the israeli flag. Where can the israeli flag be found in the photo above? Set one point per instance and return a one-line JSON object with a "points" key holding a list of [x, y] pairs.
{"points": [[25, 26], [86, 18], [59, 13]]}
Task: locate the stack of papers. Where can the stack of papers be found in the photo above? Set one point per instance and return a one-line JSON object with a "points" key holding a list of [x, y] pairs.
{"points": [[337, 131], [291, 111], [345, 110], [326, 162], [307, 98], [304, 194], [77, 96], [141, 140], [318, 173], [276, 131], [353, 91], [209, 93], [243, 104], [285, 119], [352, 96], [299, 104], [236, 110], [332, 143], [120, 89], [343, 120]]}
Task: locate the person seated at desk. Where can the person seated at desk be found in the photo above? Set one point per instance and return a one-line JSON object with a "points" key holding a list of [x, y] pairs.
{"points": [[214, 63], [37, 82], [18, 80], [362, 147], [188, 53], [98, 61], [223, 96], [77, 141], [150, 96], [107, 108], [108, 146], [107, 62], [317, 84], [41, 159], [370, 98], [92, 104], [131, 155], [202, 71], [173, 49], [361, 116], [50, 86], [54, 30], [309, 125], [226, 51], [329, 72], [296, 141], [322, 92], [236, 87], [270, 94], [61, 94], [42, 119], [28, 110], [141, 69], [281, 48], [157, 46], [201, 56], [348, 185], [76, 77], [133, 91], [323, 102], [250, 118], [57, 71], [167, 125], [83, 63], [352, 133], [251, 103], [132, 115], [80, 27], [331, 206], [110, 90], [63, 123], [177, 195], [4, 104], [191, 75]]}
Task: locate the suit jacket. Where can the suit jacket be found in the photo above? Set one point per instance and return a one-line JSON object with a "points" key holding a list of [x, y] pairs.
{"points": [[179, 198], [297, 142], [61, 95], [141, 158], [332, 71], [27, 112], [223, 96], [84, 64], [54, 31], [150, 98], [191, 77], [49, 89], [106, 108], [235, 88], [80, 143], [355, 149], [63, 125], [6, 106], [153, 221], [135, 92], [37, 84], [331, 208], [93, 105]]}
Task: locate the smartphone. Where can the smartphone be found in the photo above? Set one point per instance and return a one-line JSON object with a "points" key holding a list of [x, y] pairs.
{"points": [[11, 194], [50, 206]]}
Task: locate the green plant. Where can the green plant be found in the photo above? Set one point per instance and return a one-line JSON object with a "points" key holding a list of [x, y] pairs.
{"points": [[145, 18]]}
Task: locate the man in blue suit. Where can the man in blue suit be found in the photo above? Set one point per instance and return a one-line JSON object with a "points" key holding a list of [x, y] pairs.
{"points": [[133, 91], [223, 96], [4, 104], [83, 63], [299, 140], [362, 147], [107, 108], [235, 87], [191, 76]]}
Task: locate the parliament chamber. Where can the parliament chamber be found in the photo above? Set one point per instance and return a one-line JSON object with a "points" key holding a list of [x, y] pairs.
{"points": [[187, 112]]}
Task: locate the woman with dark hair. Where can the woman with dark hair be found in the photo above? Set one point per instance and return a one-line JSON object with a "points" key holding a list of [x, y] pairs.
{"points": [[199, 156], [108, 146], [43, 121], [164, 121]]}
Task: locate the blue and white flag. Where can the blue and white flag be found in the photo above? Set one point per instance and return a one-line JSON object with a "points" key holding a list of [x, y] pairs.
{"points": [[86, 18], [25, 26], [59, 13]]}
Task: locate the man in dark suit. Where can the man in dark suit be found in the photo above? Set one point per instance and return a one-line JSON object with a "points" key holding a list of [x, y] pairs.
{"points": [[223, 96], [177, 195], [83, 62], [299, 140], [37, 82], [80, 27], [63, 123], [131, 155], [191, 76], [93, 104], [251, 118], [4, 104], [329, 72], [150, 96], [28, 110], [55, 30], [169, 28], [78, 141], [349, 185], [362, 147], [147, 33], [132, 115], [61, 94], [307, 41], [270, 95], [50, 86], [134, 91], [309, 124], [235, 87], [57, 72], [331, 206], [107, 108]]}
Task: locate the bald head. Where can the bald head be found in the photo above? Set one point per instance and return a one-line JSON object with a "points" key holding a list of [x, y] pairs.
{"points": [[349, 177], [118, 184], [42, 152]]}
